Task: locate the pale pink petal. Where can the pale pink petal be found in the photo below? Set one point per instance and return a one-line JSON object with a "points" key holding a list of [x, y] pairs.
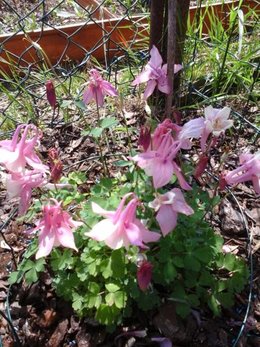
{"points": [[151, 84], [46, 243], [177, 67], [192, 129], [99, 97], [179, 175], [109, 89], [164, 85], [88, 95], [147, 235], [99, 210], [167, 219], [66, 238], [180, 204], [102, 230], [134, 235], [162, 173], [203, 140], [143, 77], [25, 200], [224, 113], [156, 59]]}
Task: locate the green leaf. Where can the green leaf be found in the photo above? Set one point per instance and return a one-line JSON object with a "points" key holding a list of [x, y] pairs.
{"points": [[204, 254], [39, 265], [193, 300], [182, 309], [122, 163], [112, 287], [107, 314], [206, 278], [178, 261], [110, 299], [105, 268], [108, 122], [15, 277], [95, 132], [80, 104], [169, 272], [120, 299], [118, 263], [214, 305], [229, 261], [94, 287], [226, 299], [191, 263], [31, 276]]}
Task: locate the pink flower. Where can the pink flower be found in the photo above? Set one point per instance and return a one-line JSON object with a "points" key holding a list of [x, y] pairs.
{"points": [[98, 88], [55, 229], [21, 185], [168, 206], [121, 228], [15, 154], [159, 163], [192, 129], [216, 123], [249, 170], [155, 74], [51, 94], [144, 274]]}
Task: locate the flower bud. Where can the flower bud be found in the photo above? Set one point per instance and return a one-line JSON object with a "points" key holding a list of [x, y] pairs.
{"points": [[201, 167], [55, 165], [144, 275], [51, 94], [145, 137]]}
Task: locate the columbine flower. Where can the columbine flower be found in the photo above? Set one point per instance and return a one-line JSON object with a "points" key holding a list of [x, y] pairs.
{"points": [[55, 229], [144, 274], [21, 185], [98, 88], [159, 163], [249, 170], [155, 74], [16, 154], [216, 123], [51, 94], [121, 228], [168, 206]]}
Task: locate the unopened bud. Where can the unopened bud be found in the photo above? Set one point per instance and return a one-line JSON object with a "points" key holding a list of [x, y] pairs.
{"points": [[222, 181], [145, 137], [201, 167], [51, 94], [55, 165], [144, 275]]}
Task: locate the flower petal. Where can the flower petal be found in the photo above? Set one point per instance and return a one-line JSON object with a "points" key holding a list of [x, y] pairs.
{"points": [[167, 219], [46, 243]]}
